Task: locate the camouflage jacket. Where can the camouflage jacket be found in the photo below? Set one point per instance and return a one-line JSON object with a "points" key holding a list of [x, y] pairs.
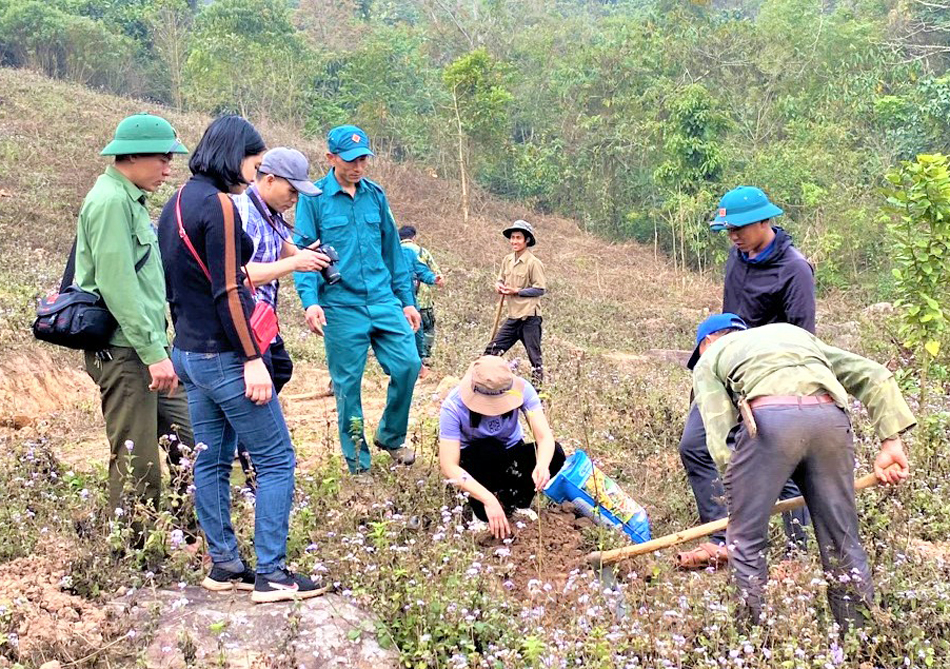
{"points": [[425, 298], [782, 359]]}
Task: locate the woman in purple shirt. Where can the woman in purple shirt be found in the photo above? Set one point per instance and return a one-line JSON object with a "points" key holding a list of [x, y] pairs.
{"points": [[481, 443]]}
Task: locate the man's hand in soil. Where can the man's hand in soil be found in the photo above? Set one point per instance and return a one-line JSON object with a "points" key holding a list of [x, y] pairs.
{"points": [[541, 475], [316, 319], [891, 453], [497, 520], [412, 315], [164, 379]]}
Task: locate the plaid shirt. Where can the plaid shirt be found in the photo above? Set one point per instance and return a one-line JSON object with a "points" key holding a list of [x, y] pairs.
{"points": [[268, 238]]}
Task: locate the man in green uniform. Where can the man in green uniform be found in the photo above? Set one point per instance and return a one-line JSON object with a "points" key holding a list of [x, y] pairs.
{"points": [[792, 393], [425, 296], [117, 257], [371, 305]]}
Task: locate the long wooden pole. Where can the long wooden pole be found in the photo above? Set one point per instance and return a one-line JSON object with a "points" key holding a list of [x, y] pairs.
{"points": [[494, 328], [600, 558]]}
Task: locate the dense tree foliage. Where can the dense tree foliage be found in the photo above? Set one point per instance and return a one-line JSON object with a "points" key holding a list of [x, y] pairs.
{"points": [[632, 115]]}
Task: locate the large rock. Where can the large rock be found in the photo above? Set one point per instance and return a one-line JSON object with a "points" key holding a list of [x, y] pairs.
{"points": [[330, 633]]}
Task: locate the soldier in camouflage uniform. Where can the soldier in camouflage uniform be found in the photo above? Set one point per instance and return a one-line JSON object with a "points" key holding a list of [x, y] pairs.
{"points": [[425, 296], [796, 389]]}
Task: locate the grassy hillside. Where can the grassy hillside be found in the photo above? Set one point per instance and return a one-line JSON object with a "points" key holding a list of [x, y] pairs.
{"points": [[400, 548]]}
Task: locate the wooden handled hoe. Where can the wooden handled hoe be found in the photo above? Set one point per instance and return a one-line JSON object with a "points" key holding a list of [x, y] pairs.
{"points": [[599, 559], [494, 327]]}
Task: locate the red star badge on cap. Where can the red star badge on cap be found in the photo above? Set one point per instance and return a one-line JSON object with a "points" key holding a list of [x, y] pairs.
{"points": [[722, 211], [355, 138]]}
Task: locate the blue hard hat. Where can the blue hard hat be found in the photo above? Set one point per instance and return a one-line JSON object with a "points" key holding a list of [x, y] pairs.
{"points": [[712, 325], [348, 142], [743, 206]]}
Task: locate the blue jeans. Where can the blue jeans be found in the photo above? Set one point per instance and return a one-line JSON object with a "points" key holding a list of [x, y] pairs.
{"points": [[220, 414]]}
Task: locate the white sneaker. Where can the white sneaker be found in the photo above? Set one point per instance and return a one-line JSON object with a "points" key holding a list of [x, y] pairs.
{"points": [[526, 513]]}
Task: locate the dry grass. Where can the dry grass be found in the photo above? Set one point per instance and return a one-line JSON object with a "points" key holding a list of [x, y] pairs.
{"points": [[609, 304], [51, 132]]}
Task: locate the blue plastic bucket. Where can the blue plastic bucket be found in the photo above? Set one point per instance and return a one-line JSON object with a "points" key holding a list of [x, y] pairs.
{"points": [[598, 497]]}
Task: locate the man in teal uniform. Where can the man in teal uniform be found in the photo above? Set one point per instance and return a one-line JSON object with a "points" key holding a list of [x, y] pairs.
{"points": [[371, 305]]}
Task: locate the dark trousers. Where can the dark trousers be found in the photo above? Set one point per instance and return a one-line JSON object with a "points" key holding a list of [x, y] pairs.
{"points": [[137, 420], [506, 472], [281, 368], [708, 490], [813, 445], [528, 332]]}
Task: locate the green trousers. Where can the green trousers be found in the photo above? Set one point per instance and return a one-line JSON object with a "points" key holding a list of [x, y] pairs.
{"points": [[425, 335], [349, 333], [135, 419]]}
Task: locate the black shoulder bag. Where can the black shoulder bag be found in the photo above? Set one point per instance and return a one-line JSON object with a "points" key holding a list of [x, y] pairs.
{"points": [[76, 318]]}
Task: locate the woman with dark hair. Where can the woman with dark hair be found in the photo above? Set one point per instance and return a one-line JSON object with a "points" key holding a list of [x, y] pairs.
{"points": [[216, 355]]}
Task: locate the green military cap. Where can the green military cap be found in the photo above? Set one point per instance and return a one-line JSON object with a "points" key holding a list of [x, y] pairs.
{"points": [[144, 133]]}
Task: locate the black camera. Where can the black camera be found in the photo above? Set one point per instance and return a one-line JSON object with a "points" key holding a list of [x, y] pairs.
{"points": [[331, 273]]}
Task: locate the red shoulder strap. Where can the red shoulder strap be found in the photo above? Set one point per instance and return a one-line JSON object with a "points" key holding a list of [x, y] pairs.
{"points": [[184, 235], [228, 220]]}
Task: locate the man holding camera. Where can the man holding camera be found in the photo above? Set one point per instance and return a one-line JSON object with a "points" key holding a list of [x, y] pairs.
{"points": [[371, 303], [282, 175]]}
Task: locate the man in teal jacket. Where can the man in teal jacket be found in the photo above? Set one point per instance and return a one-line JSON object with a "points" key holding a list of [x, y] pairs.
{"points": [[372, 304]]}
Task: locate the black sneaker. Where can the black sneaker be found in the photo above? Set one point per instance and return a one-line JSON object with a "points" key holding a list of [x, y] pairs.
{"points": [[286, 586], [222, 580]]}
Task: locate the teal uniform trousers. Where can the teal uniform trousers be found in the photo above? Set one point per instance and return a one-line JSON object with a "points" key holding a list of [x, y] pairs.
{"points": [[350, 331]]}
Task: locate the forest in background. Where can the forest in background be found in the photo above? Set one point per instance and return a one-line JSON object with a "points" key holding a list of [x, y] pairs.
{"points": [[632, 116]]}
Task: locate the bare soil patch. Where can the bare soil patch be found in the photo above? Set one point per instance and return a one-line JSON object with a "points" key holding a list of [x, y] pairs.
{"points": [[47, 620], [33, 385], [542, 554]]}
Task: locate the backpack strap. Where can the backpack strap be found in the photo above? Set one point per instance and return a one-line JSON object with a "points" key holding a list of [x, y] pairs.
{"points": [[70, 272]]}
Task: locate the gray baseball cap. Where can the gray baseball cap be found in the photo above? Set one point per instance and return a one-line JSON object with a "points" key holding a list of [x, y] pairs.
{"points": [[291, 165]]}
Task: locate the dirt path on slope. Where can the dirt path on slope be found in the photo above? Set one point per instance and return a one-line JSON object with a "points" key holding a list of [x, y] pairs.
{"points": [[41, 397]]}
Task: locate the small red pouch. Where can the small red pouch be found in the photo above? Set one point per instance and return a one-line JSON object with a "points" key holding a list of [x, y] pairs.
{"points": [[264, 325]]}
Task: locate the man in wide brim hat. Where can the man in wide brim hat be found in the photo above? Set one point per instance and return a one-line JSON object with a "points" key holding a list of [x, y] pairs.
{"points": [[481, 443], [525, 228], [521, 283]]}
